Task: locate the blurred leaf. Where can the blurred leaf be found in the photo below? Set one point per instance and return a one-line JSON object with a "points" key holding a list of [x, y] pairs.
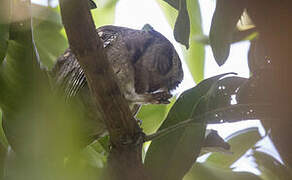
{"points": [[171, 156], [39, 126], [208, 172], [93, 157], [270, 168], [105, 143], [17, 72], [225, 18], [181, 29], [240, 142], [44, 13], [4, 27], [48, 38]]}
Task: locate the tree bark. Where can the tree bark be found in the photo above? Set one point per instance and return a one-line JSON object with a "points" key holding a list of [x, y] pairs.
{"points": [[125, 160], [272, 20]]}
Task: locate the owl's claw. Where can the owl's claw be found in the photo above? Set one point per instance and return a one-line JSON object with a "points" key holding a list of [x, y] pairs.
{"points": [[161, 97]]}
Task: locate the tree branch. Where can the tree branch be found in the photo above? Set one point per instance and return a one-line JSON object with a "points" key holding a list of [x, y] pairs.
{"points": [[88, 48], [85, 44]]}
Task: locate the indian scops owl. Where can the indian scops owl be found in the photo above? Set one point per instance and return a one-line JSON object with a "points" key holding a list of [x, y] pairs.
{"points": [[146, 65]]}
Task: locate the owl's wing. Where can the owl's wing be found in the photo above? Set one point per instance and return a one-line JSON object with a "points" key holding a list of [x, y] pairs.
{"points": [[68, 74]]}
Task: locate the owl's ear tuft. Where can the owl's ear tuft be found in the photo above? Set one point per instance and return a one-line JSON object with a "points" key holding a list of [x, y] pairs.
{"points": [[147, 27]]}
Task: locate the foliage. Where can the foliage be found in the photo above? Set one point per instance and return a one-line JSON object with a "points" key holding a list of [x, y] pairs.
{"points": [[49, 40], [171, 156], [195, 55], [47, 132]]}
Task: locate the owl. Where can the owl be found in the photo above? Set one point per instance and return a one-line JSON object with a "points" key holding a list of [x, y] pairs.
{"points": [[146, 65]]}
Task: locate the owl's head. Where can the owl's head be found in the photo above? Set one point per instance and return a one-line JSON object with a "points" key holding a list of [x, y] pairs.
{"points": [[149, 52]]}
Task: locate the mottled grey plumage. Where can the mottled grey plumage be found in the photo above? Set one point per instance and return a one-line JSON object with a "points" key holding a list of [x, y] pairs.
{"points": [[146, 65]]}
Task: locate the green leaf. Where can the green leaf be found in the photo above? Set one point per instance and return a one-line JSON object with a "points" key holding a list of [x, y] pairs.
{"points": [[34, 118], [220, 94], [225, 18], [20, 71], [94, 158], [45, 13], [240, 142], [270, 168], [95, 155], [152, 117], [208, 172], [173, 3], [48, 38], [17, 72], [5, 6], [169, 12], [182, 24], [195, 55], [181, 29], [170, 157], [105, 143]]}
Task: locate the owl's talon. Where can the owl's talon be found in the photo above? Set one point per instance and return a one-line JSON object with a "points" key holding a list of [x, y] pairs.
{"points": [[161, 97]]}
